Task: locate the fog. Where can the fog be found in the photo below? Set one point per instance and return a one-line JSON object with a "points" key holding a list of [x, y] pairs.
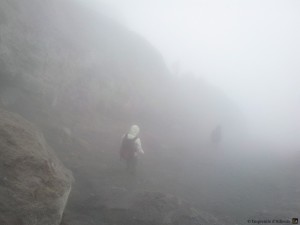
{"points": [[249, 49], [212, 86]]}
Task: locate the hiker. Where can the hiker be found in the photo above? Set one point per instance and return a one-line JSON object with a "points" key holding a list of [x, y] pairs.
{"points": [[131, 147], [216, 135]]}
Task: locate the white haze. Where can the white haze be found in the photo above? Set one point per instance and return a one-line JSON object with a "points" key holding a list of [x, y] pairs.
{"points": [[249, 49]]}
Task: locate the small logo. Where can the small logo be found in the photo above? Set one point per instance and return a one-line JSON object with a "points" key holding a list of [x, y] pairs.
{"points": [[295, 221]]}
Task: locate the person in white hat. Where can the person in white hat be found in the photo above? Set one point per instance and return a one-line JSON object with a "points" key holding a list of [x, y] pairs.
{"points": [[131, 147]]}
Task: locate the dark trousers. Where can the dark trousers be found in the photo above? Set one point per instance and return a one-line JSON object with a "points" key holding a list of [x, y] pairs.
{"points": [[131, 164]]}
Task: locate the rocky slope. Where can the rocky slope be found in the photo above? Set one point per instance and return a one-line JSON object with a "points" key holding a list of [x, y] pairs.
{"points": [[66, 66], [141, 208], [83, 79]]}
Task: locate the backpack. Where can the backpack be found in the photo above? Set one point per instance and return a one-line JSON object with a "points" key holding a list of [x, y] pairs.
{"points": [[128, 148]]}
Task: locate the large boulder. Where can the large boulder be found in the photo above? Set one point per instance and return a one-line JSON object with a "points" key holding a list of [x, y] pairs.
{"points": [[34, 185]]}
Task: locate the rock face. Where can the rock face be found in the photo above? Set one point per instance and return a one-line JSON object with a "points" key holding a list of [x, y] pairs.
{"points": [[34, 185]]}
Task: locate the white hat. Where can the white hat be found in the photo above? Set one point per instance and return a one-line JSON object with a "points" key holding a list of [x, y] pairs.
{"points": [[133, 131]]}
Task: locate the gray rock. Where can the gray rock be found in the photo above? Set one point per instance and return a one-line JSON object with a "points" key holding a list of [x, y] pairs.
{"points": [[138, 208], [34, 185]]}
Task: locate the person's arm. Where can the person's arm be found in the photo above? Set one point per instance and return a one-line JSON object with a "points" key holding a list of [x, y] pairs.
{"points": [[138, 145]]}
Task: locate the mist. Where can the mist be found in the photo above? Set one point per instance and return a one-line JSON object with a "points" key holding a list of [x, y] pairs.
{"points": [[250, 50], [205, 95]]}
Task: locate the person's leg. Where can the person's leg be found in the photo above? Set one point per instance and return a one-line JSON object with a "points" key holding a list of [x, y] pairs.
{"points": [[134, 165], [128, 165], [131, 165]]}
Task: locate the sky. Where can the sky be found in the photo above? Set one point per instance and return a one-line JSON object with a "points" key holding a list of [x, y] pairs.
{"points": [[249, 49]]}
